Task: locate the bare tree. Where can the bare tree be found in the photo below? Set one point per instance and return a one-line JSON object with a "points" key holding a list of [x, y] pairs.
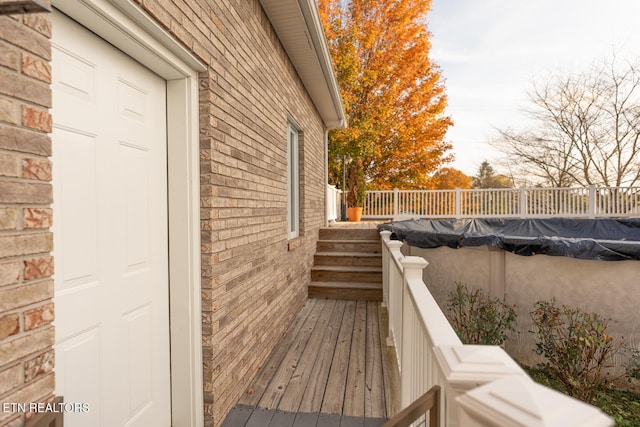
{"points": [[587, 129]]}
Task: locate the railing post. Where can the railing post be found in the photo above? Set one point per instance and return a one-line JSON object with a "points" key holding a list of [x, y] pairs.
{"points": [[396, 202], [467, 366], [592, 201], [523, 203], [412, 270], [385, 236], [394, 294], [517, 401], [413, 266], [332, 203], [458, 203]]}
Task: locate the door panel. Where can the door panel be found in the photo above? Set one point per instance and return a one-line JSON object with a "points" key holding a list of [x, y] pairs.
{"points": [[110, 232]]}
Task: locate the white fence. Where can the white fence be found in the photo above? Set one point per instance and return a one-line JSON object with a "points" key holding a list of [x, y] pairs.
{"points": [[481, 385], [332, 204], [583, 202]]}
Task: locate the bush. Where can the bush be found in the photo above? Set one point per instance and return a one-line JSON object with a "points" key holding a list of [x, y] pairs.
{"points": [[577, 349], [632, 369], [623, 406], [478, 319]]}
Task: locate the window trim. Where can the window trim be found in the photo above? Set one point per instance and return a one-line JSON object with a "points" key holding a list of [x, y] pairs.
{"points": [[293, 179]]}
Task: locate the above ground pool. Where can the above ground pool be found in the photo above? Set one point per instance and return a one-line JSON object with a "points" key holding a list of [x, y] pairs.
{"points": [[597, 239]]}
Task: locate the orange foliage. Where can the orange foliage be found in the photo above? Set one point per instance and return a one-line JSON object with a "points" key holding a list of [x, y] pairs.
{"points": [[449, 179], [393, 93]]}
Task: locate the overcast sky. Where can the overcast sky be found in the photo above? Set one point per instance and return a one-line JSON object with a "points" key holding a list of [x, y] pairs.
{"points": [[491, 50]]}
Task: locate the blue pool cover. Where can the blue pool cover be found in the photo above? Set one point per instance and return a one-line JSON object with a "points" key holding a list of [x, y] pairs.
{"points": [[598, 239]]}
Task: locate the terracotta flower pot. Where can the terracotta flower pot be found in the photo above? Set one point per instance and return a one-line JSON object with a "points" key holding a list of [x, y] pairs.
{"points": [[354, 214]]}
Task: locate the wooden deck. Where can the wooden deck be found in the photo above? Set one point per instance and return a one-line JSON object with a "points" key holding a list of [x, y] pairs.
{"points": [[331, 368], [366, 224]]}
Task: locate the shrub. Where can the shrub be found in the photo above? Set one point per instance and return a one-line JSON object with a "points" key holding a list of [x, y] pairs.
{"points": [[577, 349], [623, 406], [478, 319], [632, 368]]}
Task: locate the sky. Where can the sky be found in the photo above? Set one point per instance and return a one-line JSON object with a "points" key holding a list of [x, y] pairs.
{"points": [[491, 51]]}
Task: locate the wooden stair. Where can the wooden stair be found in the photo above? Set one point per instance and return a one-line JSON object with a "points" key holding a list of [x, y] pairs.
{"points": [[347, 265]]}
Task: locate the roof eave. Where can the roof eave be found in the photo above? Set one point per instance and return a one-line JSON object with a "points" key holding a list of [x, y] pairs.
{"points": [[299, 28]]}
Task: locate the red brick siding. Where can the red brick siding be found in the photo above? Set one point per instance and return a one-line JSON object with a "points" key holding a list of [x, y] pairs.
{"points": [[26, 288]]}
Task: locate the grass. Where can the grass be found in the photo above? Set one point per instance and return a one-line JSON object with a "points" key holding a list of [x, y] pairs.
{"points": [[622, 406]]}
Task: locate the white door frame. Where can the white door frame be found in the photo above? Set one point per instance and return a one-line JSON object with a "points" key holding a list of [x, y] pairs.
{"points": [[125, 26]]}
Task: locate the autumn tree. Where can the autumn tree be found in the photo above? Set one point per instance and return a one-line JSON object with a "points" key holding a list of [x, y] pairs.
{"points": [[586, 129], [393, 93], [449, 179]]}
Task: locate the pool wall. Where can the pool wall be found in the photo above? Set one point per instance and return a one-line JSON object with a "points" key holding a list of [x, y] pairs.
{"points": [[611, 289]]}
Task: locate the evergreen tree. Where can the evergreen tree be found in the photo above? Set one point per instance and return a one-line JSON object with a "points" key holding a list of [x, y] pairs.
{"points": [[488, 178]]}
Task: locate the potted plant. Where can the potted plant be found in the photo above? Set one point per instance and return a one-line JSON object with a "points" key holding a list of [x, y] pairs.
{"points": [[357, 192]]}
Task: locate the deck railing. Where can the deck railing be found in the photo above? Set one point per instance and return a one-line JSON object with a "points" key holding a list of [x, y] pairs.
{"points": [[49, 418], [481, 385], [332, 203], [579, 202], [427, 405]]}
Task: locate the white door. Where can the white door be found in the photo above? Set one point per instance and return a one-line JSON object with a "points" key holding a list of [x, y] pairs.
{"points": [[110, 233]]}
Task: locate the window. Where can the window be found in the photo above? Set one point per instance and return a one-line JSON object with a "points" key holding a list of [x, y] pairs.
{"points": [[293, 181]]}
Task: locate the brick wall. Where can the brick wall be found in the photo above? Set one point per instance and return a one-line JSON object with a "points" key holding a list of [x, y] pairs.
{"points": [[26, 266], [254, 279], [252, 283]]}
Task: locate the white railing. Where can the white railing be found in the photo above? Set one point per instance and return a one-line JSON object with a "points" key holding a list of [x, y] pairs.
{"points": [[332, 202], [481, 385], [582, 202]]}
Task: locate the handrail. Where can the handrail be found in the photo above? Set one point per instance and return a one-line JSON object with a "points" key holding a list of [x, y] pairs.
{"points": [[49, 419], [428, 402], [574, 202]]}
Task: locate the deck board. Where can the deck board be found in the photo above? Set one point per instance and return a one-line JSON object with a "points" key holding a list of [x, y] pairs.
{"points": [[330, 368], [333, 401], [260, 418], [238, 416], [255, 392], [315, 391], [292, 396], [304, 419], [282, 419], [374, 402], [282, 377], [390, 371], [354, 391]]}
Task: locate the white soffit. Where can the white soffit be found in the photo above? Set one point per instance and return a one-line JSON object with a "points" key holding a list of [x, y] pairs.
{"points": [[298, 26]]}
